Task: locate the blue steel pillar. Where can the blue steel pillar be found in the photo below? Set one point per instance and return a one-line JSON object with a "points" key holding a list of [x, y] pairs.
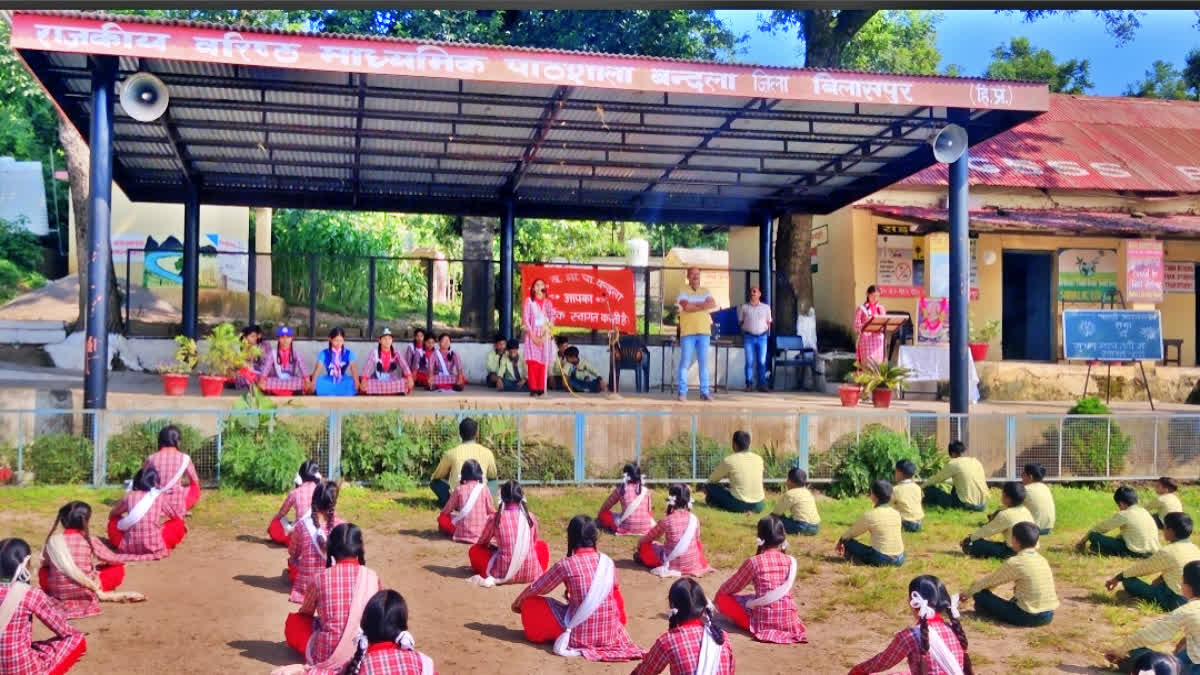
{"points": [[191, 262], [95, 368], [507, 235], [960, 278], [766, 244]]}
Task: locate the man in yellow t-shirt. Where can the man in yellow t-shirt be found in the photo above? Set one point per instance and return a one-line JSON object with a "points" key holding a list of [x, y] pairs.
{"points": [[695, 327], [450, 466], [744, 469], [1034, 599]]}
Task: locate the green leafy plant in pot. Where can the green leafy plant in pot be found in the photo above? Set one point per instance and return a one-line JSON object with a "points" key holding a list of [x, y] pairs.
{"points": [[226, 354], [880, 380], [980, 335], [175, 375]]}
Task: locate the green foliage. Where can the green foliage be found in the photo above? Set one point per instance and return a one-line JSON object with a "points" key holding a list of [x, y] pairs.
{"points": [[378, 444], [19, 246], [872, 375], [225, 351], [984, 332], [1089, 405], [127, 450], [1093, 447], [60, 459], [264, 461], [1164, 80], [14, 281], [673, 460], [873, 456], [896, 41], [185, 357], [1019, 60]]}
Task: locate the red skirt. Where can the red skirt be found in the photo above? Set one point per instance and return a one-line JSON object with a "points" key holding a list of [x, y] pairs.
{"points": [[111, 576], [173, 531], [115, 535], [193, 495], [730, 607], [292, 572], [445, 524], [538, 621], [72, 657], [647, 555], [481, 556], [537, 375], [276, 533], [297, 629], [607, 520]]}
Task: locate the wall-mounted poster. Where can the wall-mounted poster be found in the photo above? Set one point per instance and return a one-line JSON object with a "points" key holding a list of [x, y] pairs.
{"points": [[939, 266], [1179, 277], [895, 275], [1085, 274], [933, 320], [1143, 270]]}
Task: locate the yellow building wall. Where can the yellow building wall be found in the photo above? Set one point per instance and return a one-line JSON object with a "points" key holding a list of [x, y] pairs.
{"points": [[743, 255]]}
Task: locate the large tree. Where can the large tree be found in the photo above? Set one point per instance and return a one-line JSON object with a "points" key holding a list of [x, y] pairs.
{"points": [[1020, 60], [1164, 80]]}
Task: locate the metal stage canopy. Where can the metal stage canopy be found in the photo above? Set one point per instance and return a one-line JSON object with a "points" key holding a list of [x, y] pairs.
{"points": [[286, 119]]}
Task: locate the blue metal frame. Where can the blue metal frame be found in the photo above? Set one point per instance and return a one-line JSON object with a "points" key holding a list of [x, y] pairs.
{"points": [[99, 277], [960, 279]]}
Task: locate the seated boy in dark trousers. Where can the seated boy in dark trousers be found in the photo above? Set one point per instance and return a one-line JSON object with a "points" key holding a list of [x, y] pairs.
{"points": [[977, 545], [1166, 501], [744, 469], [1185, 619], [1038, 499], [968, 480], [554, 378], [1034, 600], [1139, 535], [797, 509], [1169, 561], [580, 374], [883, 522], [906, 496]]}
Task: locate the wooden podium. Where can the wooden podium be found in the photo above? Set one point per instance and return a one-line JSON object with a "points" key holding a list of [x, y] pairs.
{"points": [[886, 324]]}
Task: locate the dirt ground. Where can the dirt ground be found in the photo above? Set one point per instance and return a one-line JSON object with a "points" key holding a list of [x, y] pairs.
{"points": [[217, 605]]}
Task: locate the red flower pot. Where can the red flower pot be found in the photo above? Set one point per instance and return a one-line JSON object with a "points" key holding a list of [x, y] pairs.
{"points": [[174, 384], [212, 385], [6, 474], [978, 350], [850, 394], [881, 397]]}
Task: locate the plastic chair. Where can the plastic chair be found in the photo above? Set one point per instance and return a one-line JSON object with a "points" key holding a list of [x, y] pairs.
{"points": [[631, 355], [790, 352]]}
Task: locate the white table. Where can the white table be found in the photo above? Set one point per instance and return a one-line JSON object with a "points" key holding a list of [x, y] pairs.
{"points": [[932, 363]]}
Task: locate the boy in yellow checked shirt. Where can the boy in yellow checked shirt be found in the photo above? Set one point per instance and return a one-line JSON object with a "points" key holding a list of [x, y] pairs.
{"points": [[1185, 619], [1166, 501], [1166, 591], [969, 482], [1038, 499], [1034, 599], [977, 546], [1139, 536], [797, 509], [883, 522], [580, 374], [907, 495]]}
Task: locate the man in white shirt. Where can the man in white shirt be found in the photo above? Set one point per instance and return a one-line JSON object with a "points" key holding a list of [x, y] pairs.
{"points": [[755, 320]]}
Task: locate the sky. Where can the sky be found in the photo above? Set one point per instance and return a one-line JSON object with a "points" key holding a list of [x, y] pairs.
{"points": [[967, 38]]}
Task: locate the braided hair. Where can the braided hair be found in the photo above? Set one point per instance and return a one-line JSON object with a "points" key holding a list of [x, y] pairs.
{"points": [[511, 493], [934, 592], [581, 533], [678, 497], [634, 474], [383, 620], [13, 552], [74, 516], [771, 534], [324, 500], [688, 602]]}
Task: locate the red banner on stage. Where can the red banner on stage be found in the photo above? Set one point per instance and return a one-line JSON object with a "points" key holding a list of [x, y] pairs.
{"points": [[586, 297]]}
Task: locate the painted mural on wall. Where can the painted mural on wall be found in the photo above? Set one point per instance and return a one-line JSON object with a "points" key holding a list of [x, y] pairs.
{"points": [[1086, 274], [154, 264]]}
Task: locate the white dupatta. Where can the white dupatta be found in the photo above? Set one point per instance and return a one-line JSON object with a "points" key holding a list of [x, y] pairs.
{"points": [[187, 460], [139, 510], [12, 601], [778, 592], [310, 526], [633, 507], [441, 362], [709, 662], [939, 653], [598, 592], [685, 542], [469, 505], [60, 556], [520, 552]]}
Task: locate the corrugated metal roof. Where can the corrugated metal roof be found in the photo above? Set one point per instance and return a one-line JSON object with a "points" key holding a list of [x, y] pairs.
{"points": [[1093, 143], [1058, 221]]}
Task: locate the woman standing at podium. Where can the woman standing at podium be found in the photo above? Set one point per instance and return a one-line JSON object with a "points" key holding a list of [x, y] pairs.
{"points": [[870, 344]]}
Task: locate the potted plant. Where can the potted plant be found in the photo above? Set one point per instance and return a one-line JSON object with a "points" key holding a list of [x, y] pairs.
{"points": [[175, 375], [979, 336], [224, 357], [850, 391], [881, 379]]}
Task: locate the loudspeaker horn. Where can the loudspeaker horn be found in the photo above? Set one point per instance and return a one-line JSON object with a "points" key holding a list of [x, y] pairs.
{"points": [[949, 143], [144, 97]]}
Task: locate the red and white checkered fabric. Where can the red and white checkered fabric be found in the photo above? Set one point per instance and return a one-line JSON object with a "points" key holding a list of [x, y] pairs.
{"points": [[77, 601], [299, 499], [307, 558], [19, 654], [690, 562], [679, 650], [144, 541], [389, 387], [505, 537], [469, 528], [907, 645], [166, 462], [641, 520], [776, 622], [384, 658], [329, 599]]}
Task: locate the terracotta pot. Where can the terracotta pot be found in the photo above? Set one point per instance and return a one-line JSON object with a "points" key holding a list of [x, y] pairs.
{"points": [[850, 394], [978, 350], [881, 397], [212, 385], [174, 384]]}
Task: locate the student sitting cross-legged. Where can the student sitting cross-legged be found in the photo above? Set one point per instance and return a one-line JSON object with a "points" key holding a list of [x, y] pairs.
{"points": [[1034, 600], [977, 546], [937, 644], [1139, 536], [1167, 500], [883, 522], [797, 509], [769, 613], [1168, 561], [1038, 499], [969, 482], [581, 376], [1185, 619], [906, 496], [693, 643], [744, 469]]}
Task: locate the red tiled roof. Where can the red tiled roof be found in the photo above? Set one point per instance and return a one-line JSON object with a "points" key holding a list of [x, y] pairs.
{"points": [[1092, 142], [1065, 221]]}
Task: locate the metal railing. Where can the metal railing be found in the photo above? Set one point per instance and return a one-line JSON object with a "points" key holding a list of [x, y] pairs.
{"points": [[548, 447]]}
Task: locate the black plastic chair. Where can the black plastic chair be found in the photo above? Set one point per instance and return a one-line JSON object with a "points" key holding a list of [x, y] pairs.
{"points": [[790, 352], [631, 355], [904, 335]]}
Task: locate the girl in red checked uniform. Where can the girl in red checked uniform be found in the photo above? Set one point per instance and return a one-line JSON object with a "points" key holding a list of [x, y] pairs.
{"points": [[389, 649], [681, 553], [306, 548], [307, 478], [470, 505], [135, 525], [19, 603], [519, 556], [637, 510], [937, 645], [694, 645], [770, 612], [68, 574], [174, 466], [591, 623]]}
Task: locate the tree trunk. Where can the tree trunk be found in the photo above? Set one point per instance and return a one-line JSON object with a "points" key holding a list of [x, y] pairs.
{"points": [[793, 265], [78, 170], [477, 295], [827, 32]]}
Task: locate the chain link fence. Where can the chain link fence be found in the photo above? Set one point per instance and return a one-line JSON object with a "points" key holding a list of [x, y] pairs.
{"points": [[75, 447]]}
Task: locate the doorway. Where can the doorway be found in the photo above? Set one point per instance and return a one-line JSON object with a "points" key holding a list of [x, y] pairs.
{"points": [[1028, 328]]}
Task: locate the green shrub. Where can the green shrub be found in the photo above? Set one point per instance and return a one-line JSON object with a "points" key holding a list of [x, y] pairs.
{"points": [[377, 444], [1093, 447], [129, 449], [673, 459], [871, 457], [60, 459], [264, 461], [1089, 405]]}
